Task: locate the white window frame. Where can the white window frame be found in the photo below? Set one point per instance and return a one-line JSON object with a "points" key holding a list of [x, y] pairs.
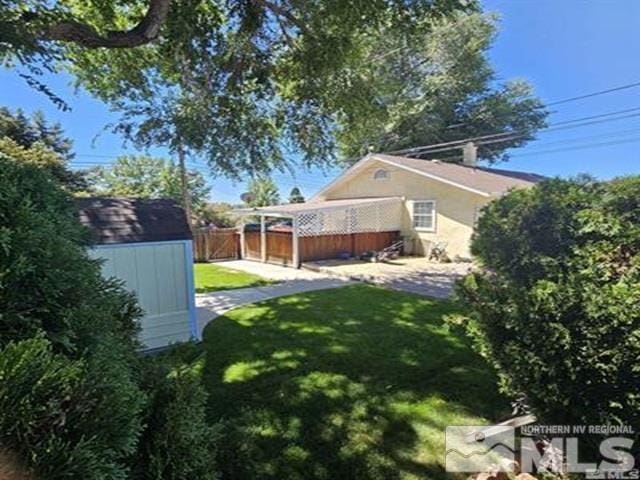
{"points": [[386, 176], [434, 215]]}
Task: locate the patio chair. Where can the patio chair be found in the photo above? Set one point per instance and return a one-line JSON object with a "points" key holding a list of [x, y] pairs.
{"points": [[438, 252]]}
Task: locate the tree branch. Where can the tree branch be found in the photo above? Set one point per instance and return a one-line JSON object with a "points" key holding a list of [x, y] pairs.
{"points": [[146, 31], [280, 11]]}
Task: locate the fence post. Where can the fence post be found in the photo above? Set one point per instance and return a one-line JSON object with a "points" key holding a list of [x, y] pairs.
{"points": [[243, 254], [294, 238], [263, 239]]}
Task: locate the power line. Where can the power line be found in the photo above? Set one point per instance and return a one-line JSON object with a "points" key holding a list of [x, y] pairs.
{"points": [[601, 115], [571, 99], [616, 133], [594, 94], [578, 147], [508, 136]]}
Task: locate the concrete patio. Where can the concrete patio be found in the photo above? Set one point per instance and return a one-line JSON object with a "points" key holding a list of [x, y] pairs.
{"points": [[408, 274]]}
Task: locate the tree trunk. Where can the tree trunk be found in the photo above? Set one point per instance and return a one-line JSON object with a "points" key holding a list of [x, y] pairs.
{"points": [[184, 183]]}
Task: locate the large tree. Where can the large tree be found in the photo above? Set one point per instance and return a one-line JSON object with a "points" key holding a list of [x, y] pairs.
{"points": [[434, 84], [245, 83], [36, 141], [262, 192], [27, 131], [148, 177]]}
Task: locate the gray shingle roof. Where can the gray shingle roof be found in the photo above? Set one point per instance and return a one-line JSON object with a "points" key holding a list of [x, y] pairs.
{"points": [[129, 220], [491, 181]]}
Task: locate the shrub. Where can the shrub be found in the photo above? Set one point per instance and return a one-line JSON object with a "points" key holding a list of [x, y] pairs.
{"points": [[557, 308], [47, 281], [75, 406], [177, 443], [59, 413], [72, 389]]}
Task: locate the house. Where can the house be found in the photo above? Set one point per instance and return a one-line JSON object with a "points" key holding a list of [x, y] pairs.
{"points": [[441, 201], [147, 244], [378, 199]]}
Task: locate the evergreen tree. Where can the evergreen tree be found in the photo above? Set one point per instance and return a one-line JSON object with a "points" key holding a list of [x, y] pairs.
{"points": [[27, 131], [296, 196]]}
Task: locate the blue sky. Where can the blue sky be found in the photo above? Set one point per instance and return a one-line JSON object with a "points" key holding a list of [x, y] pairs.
{"points": [[564, 48]]}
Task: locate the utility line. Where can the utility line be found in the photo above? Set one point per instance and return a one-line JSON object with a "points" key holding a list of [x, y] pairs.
{"points": [[508, 136], [594, 94], [577, 147]]}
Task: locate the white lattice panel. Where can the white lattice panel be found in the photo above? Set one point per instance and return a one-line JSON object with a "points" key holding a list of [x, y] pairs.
{"points": [[374, 217]]}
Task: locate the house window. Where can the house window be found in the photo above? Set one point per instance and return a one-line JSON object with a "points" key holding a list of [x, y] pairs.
{"points": [[381, 174], [424, 215]]}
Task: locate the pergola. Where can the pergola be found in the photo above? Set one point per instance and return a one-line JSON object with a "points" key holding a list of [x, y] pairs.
{"points": [[329, 219]]}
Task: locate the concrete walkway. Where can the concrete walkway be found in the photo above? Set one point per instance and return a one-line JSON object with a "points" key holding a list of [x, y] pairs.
{"points": [[407, 274], [212, 305], [272, 272]]}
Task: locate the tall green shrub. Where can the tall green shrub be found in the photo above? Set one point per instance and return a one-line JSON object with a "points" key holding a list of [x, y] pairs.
{"points": [[76, 400], [59, 413], [70, 401], [557, 306], [177, 442], [47, 281]]}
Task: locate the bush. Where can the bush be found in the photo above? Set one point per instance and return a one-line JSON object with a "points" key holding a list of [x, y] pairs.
{"points": [[75, 404], [47, 281], [177, 443], [557, 308], [76, 401], [60, 414]]}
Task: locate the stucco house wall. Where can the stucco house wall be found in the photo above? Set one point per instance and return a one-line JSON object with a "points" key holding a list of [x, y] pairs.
{"points": [[456, 209]]}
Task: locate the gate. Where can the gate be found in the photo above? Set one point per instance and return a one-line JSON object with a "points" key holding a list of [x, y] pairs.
{"points": [[215, 244], [279, 249]]}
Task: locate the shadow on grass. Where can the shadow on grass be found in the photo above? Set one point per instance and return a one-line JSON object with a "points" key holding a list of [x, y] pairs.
{"points": [[352, 383]]}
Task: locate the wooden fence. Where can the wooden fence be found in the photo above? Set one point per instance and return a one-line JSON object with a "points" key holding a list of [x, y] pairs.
{"points": [[324, 247], [216, 244], [279, 247]]}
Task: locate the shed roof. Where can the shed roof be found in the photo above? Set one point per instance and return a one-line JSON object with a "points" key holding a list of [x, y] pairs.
{"points": [[130, 220], [481, 180]]}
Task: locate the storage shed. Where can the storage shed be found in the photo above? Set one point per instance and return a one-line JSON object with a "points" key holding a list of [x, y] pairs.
{"points": [[147, 244]]}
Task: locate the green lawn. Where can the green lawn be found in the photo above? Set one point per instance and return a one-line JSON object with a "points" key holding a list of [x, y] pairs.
{"points": [[352, 383], [211, 278]]}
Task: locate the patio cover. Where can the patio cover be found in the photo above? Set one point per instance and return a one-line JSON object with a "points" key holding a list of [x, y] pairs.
{"points": [[336, 217]]}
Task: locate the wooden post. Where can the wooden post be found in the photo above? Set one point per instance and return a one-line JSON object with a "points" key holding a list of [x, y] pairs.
{"points": [[294, 239], [242, 252], [263, 239]]}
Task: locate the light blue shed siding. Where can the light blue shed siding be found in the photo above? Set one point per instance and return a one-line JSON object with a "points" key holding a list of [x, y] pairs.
{"points": [[159, 274]]}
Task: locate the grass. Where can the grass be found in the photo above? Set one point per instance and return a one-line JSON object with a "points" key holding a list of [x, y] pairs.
{"points": [[351, 383], [210, 277]]}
